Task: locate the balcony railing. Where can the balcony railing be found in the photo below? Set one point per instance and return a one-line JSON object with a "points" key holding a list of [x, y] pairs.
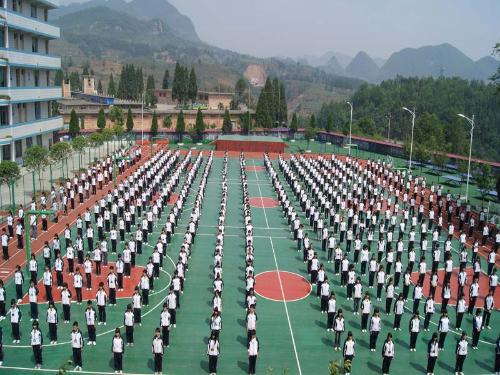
{"points": [[29, 60], [28, 24], [28, 94]]}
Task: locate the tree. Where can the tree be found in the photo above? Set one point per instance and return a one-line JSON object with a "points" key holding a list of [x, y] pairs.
{"points": [[199, 126], [58, 78], [439, 160], [150, 92], [263, 113], [167, 122], [180, 127], [180, 84], [116, 115], [79, 144], [166, 79], [111, 86], [130, 121], [336, 368], [74, 127], [154, 124], [101, 119], [227, 125], [192, 90], [59, 153], [76, 83], [9, 174], [495, 78], [329, 124], [99, 87], [484, 180], [240, 92], [246, 123], [294, 125], [36, 159], [497, 186], [96, 140], [107, 135]]}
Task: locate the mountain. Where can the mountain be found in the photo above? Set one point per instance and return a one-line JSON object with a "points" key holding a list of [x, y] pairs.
{"points": [[379, 61], [140, 9], [343, 59], [333, 66], [443, 59], [362, 66]]}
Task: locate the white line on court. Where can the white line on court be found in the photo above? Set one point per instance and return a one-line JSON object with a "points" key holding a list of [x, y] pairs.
{"points": [[261, 198], [286, 307]]}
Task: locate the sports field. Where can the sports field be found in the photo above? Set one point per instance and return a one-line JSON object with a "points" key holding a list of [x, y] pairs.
{"points": [[290, 328]]}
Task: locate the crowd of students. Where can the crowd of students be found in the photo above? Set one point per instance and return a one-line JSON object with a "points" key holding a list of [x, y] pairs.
{"points": [[344, 203]]}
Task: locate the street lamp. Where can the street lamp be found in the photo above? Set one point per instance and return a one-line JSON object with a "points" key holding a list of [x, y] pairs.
{"points": [[142, 118], [413, 114], [471, 122], [350, 129]]}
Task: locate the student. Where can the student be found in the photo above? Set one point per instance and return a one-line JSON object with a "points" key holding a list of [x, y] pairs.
{"points": [[157, 350], [165, 325], [251, 322], [90, 317], [19, 281], [101, 299], [429, 311], [253, 352], [477, 327], [460, 311], [5, 244], [443, 328], [3, 298], [349, 350], [387, 354], [33, 299], [213, 354], [172, 306], [118, 349], [52, 320], [432, 353], [15, 319], [489, 305], [78, 284], [414, 328], [332, 309], [339, 327], [36, 340], [137, 306], [128, 322], [399, 309], [366, 306], [112, 282], [375, 327], [461, 354]]}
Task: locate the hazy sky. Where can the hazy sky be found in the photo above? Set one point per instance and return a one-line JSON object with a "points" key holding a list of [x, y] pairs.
{"points": [[379, 27]]}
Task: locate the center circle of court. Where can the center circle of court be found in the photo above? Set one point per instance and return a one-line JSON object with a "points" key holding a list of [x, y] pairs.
{"points": [[263, 202], [282, 286], [254, 168]]}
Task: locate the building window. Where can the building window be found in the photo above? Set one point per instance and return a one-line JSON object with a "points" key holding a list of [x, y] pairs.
{"points": [[38, 110], [39, 141], [46, 15], [34, 45], [3, 77], [2, 38], [29, 142], [4, 116], [37, 78], [46, 47], [34, 12], [19, 149], [6, 152]]}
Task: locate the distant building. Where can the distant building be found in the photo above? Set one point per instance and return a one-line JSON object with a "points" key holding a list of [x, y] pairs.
{"points": [[207, 99], [26, 75]]}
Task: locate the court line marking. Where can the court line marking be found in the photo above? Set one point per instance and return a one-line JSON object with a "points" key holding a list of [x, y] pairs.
{"points": [[261, 197], [289, 300], [105, 332], [286, 308]]}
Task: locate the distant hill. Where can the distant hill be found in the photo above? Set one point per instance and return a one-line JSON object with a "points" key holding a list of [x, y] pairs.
{"points": [[362, 66], [140, 9], [434, 61], [333, 66]]}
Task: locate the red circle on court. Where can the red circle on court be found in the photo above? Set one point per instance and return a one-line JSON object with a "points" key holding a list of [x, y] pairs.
{"points": [[173, 199], [254, 168], [263, 202], [282, 286]]}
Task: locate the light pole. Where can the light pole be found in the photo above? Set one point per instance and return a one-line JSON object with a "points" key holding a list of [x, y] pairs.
{"points": [[350, 129], [471, 122], [413, 115]]}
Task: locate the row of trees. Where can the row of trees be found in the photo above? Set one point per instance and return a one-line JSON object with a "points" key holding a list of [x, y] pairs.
{"points": [[437, 101], [184, 85], [272, 110]]}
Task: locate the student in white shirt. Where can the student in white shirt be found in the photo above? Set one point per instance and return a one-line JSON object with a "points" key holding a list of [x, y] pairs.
{"points": [[349, 349], [461, 353], [253, 352], [213, 354], [387, 354], [36, 340], [157, 350], [118, 349], [432, 353], [77, 347]]}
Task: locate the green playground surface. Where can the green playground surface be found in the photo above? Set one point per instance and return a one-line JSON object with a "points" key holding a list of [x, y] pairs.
{"points": [[292, 335]]}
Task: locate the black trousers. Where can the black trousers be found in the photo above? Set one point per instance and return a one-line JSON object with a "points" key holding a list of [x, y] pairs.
{"points": [[158, 362], [77, 357], [118, 361], [37, 353], [386, 364], [459, 363], [252, 361], [129, 334], [431, 362], [442, 338], [373, 340], [212, 363], [165, 334], [413, 339]]}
